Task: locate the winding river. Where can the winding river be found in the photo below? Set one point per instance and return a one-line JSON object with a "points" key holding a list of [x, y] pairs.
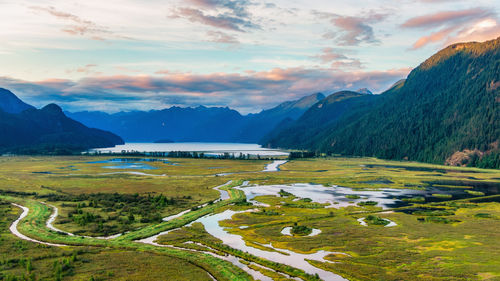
{"points": [[211, 223], [13, 228]]}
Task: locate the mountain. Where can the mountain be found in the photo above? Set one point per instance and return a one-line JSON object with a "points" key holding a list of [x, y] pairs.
{"points": [[48, 130], [210, 124], [258, 125], [10, 103], [200, 124], [322, 115], [364, 91], [448, 106]]}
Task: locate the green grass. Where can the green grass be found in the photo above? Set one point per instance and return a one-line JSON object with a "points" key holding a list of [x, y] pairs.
{"points": [[85, 262], [197, 233], [475, 193], [443, 241], [442, 196], [34, 226]]}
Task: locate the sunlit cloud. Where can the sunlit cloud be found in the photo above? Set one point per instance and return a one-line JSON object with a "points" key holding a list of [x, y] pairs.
{"points": [[338, 60], [353, 30], [78, 26], [221, 37], [470, 24], [246, 92], [246, 54]]}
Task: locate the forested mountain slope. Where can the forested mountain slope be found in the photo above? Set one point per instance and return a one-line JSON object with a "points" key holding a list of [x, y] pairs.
{"points": [[48, 130], [450, 103]]}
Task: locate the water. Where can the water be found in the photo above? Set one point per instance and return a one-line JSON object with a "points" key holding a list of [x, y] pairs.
{"points": [[335, 196], [274, 166], [129, 163], [133, 173], [13, 228], [206, 147], [232, 259], [285, 256]]}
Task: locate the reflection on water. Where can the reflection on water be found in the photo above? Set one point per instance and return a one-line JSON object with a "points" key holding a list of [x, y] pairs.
{"points": [[274, 166], [208, 148], [130, 163], [335, 196], [284, 256]]}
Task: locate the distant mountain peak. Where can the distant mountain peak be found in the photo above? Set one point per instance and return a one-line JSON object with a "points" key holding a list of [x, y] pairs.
{"points": [[303, 103], [308, 101], [364, 91], [10, 103], [53, 109]]}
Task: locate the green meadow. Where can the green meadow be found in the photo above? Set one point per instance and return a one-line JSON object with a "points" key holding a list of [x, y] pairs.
{"points": [[438, 237]]}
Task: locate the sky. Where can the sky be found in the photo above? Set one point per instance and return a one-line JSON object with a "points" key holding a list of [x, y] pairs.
{"points": [[248, 55]]}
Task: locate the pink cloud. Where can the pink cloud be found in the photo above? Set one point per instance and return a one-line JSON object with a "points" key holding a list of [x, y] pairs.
{"points": [[79, 26], [337, 60], [221, 37], [446, 17], [248, 92], [476, 24]]}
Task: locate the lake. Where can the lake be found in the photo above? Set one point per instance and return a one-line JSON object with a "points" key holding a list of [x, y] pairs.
{"points": [[208, 148]]}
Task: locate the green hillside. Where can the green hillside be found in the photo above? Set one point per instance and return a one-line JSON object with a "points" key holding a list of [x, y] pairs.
{"points": [[450, 103]]}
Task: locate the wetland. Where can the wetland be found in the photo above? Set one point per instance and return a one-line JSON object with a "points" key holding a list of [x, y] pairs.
{"points": [[357, 219]]}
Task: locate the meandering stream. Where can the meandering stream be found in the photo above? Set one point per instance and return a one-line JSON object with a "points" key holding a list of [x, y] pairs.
{"points": [[13, 228], [211, 223], [274, 166]]}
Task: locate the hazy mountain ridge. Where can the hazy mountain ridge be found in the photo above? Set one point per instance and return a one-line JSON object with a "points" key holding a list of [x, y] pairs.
{"points": [[210, 124]]}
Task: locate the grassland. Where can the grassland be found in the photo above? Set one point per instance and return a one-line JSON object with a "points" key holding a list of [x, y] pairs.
{"points": [[432, 240], [372, 173], [22, 259]]}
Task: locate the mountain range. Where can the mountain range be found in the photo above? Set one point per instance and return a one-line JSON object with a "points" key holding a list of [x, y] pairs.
{"points": [[446, 110], [199, 124], [27, 130]]}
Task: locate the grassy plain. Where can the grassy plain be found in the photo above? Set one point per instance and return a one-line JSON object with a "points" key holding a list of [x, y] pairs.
{"points": [[447, 245], [371, 173], [23, 259]]}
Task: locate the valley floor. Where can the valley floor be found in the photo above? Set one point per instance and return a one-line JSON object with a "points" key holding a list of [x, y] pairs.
{"points": [[203, 219]]}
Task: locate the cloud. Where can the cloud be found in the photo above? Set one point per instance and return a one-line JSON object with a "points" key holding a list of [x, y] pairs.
{"points": [[222, 14], [329, 54], [337, 59], [446, 18], [248, 92], [354, 30], [455, 26], [86, 69], [221, 37], [79, 26], [237, 7]]}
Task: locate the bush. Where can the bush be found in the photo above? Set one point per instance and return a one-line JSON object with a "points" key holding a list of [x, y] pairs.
{"points": [[301, 230], [367, 203], [371, 219]]}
